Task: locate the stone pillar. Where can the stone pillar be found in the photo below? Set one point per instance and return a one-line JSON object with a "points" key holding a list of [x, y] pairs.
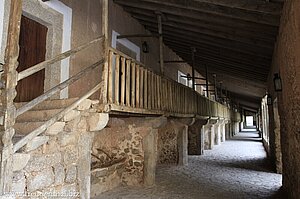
{"points": [[223, 131], [150, 148], [196, 137], [209, 134], [182, 142]]}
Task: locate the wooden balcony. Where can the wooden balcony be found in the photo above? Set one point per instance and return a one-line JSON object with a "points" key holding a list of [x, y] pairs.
{"points": [[132, 88]]}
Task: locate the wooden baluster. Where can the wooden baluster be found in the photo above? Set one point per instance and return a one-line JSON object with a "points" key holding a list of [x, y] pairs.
{"points": [[128, 78], [141, 87], [133, 80], [110, 77], [137, 86], [159, 93], [123, 81], [117, 80], [146, 89], [150, 90]]}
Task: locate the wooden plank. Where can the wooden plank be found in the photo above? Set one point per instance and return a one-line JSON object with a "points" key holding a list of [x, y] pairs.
{"points": [[123, 81], [110, 77], [57, 88], [141, 87], [133, 81], [117, 80], [153, 98], [128, 81], [9, 81], [159, 86], [149, 90], [137, 83], [55, 59], [146, 85], [161, 45]]}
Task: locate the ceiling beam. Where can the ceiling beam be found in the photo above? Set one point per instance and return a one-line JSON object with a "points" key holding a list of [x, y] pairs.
{"points": [[192, 14], [194, 38], [221, 53], [209, 7], [210, 33], [242, 64], [264, 31], [258, 34]]}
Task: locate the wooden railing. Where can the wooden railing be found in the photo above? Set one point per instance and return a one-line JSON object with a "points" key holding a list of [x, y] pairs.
{"points": [[133, 88], [52, 91]]}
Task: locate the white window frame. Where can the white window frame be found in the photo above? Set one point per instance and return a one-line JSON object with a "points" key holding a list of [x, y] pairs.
{"points": [[125, 42]]}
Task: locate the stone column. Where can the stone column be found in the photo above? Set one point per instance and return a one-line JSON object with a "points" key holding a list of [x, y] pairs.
{"points": [[196, 137], [150, 148], [182, 142], [224, 131], [209, 133]]}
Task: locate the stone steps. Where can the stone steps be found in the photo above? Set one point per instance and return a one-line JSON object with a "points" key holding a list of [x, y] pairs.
{"points": [[37, 115], [50, 104]]}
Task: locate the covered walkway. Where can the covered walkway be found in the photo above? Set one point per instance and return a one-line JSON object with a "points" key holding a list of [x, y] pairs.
{"points": [[236, 169]]}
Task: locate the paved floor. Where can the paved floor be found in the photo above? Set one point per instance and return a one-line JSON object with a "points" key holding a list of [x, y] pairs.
{"points": [[236, 169]]}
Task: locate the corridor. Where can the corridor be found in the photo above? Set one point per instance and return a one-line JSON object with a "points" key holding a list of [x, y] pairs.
{"points": [[237, 168]]}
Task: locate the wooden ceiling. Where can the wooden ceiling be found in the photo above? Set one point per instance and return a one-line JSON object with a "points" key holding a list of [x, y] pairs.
{"points": [[234, 38]]}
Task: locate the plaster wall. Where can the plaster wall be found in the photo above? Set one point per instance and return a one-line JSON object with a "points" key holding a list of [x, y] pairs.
{"points": [[286, 61]]}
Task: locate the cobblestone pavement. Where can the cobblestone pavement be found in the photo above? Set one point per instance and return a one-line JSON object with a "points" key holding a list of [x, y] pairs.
{"points": [[237, 169]]}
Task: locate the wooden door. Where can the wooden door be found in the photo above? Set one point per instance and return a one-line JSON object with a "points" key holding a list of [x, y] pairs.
{"points": [[32, 43]]}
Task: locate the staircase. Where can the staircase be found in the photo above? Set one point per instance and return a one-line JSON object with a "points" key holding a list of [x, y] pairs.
{"points": [[31, 120]]}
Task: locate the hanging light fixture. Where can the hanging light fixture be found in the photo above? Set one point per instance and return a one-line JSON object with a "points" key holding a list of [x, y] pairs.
{"points": [[277, 82]]}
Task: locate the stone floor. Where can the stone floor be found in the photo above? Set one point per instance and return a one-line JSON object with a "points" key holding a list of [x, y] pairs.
{"points": [[236, 169]]}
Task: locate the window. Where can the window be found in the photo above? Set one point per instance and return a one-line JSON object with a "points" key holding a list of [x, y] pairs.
{"points": [[125, 46], [183, 80]]}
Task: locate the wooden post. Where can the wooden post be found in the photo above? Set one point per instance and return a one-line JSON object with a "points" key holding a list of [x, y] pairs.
{"points": [[133, 80], [117, 80], [104, 79], [123, 81], [206, 77], [193, 68], [146, 85], [110, 77], [8, 110], [137, 86], [141, 87], [161, 47], [128, 79]]}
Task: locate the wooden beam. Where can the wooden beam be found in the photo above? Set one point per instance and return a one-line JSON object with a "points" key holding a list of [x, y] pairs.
{"points": [[233, 46], [259, 31], [221, 52], [244, 63], [211, 35], [8, 110], [251, 39], [161, 46], [225, 15], [137, 36]]}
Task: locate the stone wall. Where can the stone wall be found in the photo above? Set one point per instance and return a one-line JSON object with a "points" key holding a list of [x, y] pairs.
{"points": [[286, 61], [124, 153], [57, 163]]}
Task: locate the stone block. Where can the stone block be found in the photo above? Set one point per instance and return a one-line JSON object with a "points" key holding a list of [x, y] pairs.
{"points": [[97, 121], [71, 125], [70, 155], [19, 182], [55, 128], [85, 105], [20, 161], [71, 115], [67, 139], [71, 174], [36, 143], [40, 180], [40, 162], [59, 172]]}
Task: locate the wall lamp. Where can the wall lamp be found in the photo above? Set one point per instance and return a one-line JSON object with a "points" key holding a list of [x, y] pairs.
{"points": [[145, 47], [269, 99], [277, 82]]}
